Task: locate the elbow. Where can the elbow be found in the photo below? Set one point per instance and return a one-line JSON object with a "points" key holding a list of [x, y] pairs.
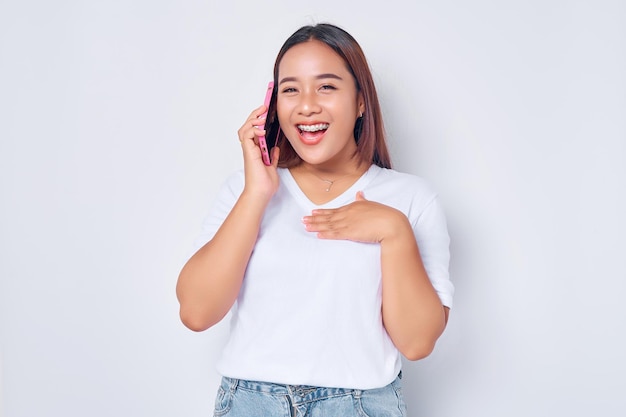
{"points": [[194, 321], [417, 351], [422, 344]]}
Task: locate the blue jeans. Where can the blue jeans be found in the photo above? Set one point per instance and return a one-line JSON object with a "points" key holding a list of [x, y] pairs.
{"points": [[241, 398]]}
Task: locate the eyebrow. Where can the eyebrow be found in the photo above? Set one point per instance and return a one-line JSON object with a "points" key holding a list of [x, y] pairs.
{"points": [[318, 77]]}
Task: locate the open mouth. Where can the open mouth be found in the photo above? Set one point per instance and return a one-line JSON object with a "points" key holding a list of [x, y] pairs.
{"points": [[313, 128], [312, 134]]}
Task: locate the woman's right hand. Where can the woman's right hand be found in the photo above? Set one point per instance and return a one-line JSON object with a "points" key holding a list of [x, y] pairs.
{"points": [[262, 180]]}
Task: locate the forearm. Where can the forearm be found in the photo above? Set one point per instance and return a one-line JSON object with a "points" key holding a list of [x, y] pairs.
{"points": [[412, 311], [209, 282]]}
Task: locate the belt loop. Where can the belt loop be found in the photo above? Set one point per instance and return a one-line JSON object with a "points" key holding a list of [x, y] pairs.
{"points": [[357, 393], [233, 386]]}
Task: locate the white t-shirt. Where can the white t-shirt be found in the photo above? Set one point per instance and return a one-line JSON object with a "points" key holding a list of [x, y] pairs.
{"points": [[309, 309]]}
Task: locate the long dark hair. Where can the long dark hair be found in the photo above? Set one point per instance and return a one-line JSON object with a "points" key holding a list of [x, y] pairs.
{"points": [[369, 131]]}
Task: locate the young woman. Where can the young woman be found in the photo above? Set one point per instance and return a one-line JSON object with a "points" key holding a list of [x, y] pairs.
{"points": [[332, 264]]}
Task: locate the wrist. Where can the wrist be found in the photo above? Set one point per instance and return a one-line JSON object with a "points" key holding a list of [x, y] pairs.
{"points": [[398, 229], [253, 198]]}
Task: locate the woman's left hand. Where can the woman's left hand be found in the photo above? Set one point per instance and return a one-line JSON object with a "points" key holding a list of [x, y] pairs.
{"points": [[359, 221]]}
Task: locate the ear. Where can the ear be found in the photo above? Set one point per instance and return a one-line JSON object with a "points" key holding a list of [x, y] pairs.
{"points": [[360, 103]]}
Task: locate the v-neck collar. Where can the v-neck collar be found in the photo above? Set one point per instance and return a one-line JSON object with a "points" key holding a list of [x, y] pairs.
{"points": [[342, 199]]}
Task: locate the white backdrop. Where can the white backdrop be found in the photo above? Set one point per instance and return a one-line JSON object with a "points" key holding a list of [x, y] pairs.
{"points": [[118, 122]]}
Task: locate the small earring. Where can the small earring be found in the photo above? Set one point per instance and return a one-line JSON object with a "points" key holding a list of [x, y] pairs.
{"points": [[358, 127]]}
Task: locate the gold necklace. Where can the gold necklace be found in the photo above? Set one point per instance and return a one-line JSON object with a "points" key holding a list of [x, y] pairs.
{"points": [[329, 182]]}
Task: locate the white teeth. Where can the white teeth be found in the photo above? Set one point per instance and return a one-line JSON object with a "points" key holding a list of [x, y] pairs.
{"points": [[313, 128]]}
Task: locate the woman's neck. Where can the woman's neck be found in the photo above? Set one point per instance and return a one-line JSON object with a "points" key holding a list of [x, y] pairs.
{"points": [[323, 183]]}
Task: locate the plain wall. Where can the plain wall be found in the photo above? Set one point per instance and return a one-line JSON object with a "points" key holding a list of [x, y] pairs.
{"points": [[118, 123]]}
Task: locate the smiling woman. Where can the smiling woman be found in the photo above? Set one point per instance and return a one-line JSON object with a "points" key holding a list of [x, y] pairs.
{"points": [[318, 105], [341, 48], [328, 288]]}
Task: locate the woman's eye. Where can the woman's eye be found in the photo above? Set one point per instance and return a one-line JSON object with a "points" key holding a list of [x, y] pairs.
{"points": [[327, 87], [289, 90]]}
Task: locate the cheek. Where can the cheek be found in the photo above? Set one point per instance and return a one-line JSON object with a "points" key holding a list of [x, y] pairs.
{"points": [[282, 111]]}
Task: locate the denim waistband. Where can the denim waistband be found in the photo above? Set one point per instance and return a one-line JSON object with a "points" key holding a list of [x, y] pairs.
{"points": [[299, 393]]}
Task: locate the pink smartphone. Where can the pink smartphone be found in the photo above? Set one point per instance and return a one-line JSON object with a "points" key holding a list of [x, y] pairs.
{"points": [[265, 149]]}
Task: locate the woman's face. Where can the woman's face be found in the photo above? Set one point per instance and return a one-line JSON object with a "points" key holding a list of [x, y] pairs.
{"points": [[318, 104]]}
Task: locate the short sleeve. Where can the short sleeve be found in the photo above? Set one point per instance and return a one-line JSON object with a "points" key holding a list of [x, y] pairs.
{"points": [[224, 202], [431, 233]]}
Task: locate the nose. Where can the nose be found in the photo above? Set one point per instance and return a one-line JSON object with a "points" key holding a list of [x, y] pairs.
{"points": [[308, 104]]}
